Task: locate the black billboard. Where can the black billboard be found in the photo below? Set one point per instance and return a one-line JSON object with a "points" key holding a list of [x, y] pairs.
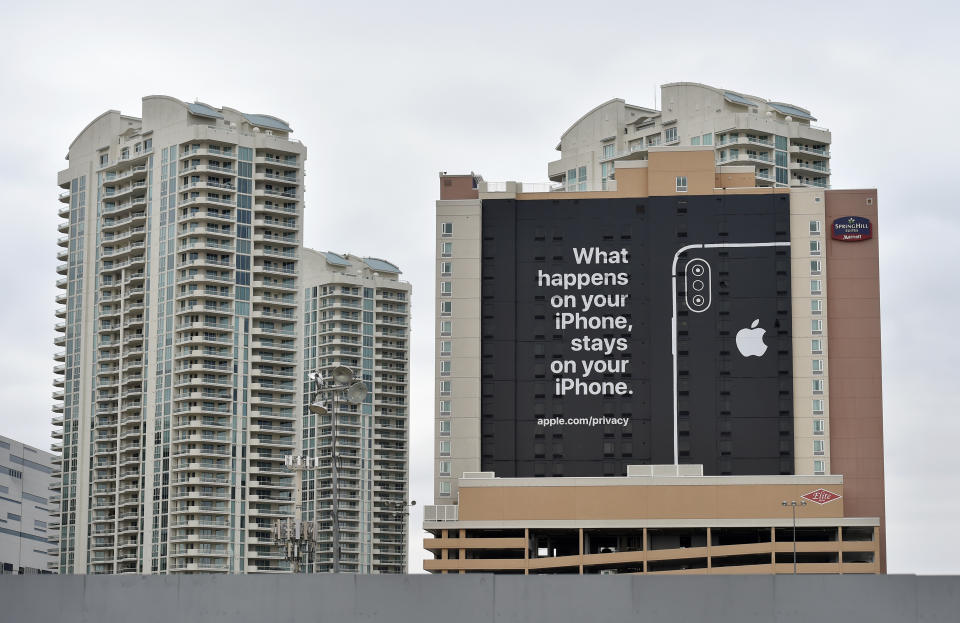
{"points": [[636, 331]]}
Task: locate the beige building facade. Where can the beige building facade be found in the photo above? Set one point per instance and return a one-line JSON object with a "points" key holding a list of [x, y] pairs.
{"points": [[777, 138], [176, 386], [357, 314], [656, 520]]}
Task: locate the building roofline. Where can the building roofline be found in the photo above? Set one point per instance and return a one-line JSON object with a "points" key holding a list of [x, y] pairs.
{"points": [[590, 112], [90, 125], [654, 480]]}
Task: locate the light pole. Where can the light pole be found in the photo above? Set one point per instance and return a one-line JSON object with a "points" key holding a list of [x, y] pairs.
{"points": [[793, 509], [339, 385]]}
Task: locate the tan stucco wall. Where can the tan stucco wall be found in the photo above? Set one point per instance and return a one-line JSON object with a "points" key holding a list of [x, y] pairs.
{"points": [[856, 401]]}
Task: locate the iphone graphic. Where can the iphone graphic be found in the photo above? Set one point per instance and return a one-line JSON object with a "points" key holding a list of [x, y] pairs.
{"points": [[731, 349]]}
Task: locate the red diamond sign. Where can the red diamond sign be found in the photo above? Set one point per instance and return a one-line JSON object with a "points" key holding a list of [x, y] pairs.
{"points": [[820, 496]]}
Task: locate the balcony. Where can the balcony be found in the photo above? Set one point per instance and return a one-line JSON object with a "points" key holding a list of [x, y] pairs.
{"points": [[290, 163], [217, 153], [822, 152], [272, 207], [816, 167]]}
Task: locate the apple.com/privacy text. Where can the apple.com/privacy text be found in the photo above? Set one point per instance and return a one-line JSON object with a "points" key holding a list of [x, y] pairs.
{"points": [[583, 421]]}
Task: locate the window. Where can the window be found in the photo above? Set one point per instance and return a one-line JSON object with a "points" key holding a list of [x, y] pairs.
{"points": [[653, 139], [708, 139], [446, 229], [681, 183], [444, 407], [816, 286], [444, 468], [819, 426], [583, 179], [446, 249], [817, 386], [816, 326], [445, 367], [446, 269], [814, 247], [446, 288], [819, 468], [814, 227], [444, 427], [818, 405], [670, 135], [446, 328], [695, 140], [444, 488], [608, 150], [818, 446], [444, 388], [817, 366], [446, 308], [816, 306], [445, 447], [816, 346], [815, 267], [13, 517], [606, 173], [446, 348]]}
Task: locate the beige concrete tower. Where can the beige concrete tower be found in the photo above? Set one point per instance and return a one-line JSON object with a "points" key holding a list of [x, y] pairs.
{"points": [[778, 139], [181, 243], [357, 314]]}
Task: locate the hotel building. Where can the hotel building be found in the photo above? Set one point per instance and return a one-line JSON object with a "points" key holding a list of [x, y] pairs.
{"points": [[802, 416]]}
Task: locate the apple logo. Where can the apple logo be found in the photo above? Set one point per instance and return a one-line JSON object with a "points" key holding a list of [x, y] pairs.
{"points": [[750, 341]]}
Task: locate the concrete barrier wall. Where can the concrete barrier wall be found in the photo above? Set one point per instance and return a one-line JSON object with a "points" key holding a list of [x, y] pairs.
{"points": [[479, 598]]}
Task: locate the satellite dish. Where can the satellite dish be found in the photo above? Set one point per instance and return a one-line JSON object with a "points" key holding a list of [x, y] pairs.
{"points": [[342, 375], [356, 392], [317, 407]]}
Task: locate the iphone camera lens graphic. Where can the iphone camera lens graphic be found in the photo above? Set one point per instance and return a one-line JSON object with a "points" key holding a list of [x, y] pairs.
{"points": [[697, 285]]}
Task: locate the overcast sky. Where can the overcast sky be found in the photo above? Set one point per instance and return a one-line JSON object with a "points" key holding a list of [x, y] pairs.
{"points": [[384, 95]]}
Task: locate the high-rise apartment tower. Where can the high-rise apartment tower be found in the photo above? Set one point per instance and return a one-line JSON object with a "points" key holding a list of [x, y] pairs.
{"points": [[778, 139], [176, 387], [357, 314]]}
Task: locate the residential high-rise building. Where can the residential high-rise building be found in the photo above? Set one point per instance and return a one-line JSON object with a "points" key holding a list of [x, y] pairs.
{"points": [[357, 314], [27, 504], [777, 138], [176, 387], [605, 358]]}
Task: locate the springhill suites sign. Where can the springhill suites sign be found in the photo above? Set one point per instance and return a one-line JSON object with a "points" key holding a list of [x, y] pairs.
{"points": [[852, 229]]}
